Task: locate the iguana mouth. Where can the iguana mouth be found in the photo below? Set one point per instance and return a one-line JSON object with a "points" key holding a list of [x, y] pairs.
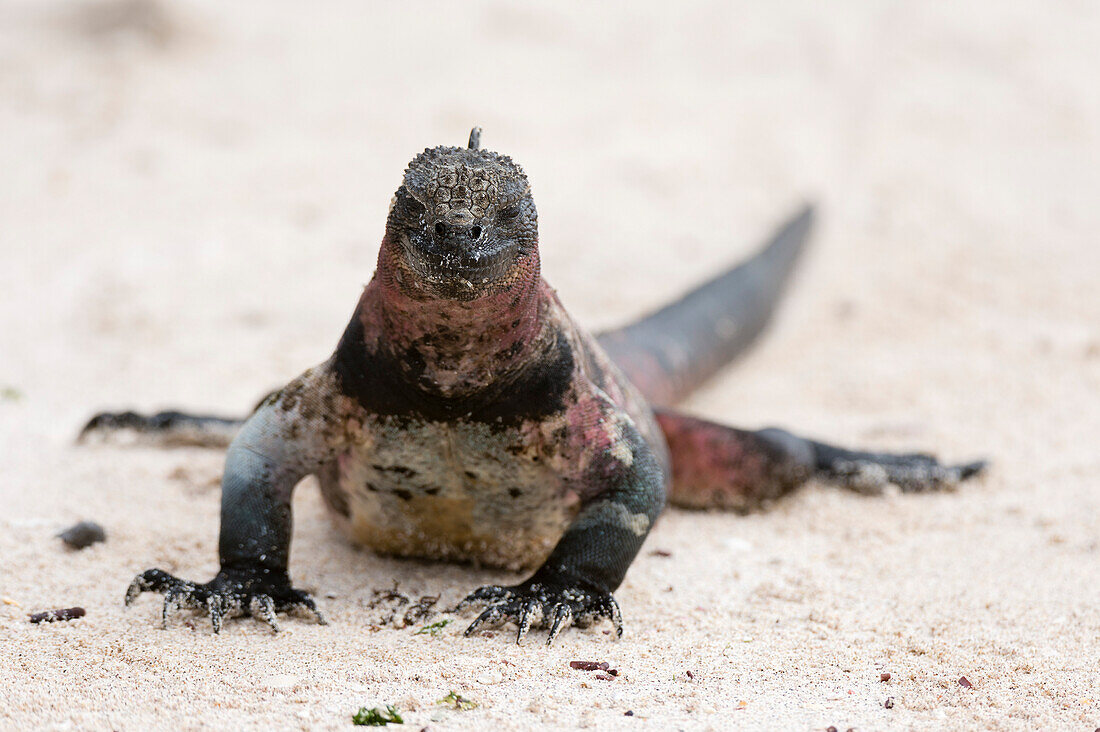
{"points": [[464, 271]]}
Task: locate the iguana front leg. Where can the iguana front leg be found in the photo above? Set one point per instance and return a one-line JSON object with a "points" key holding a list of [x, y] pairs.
{"points": [[575, 583], [281, 443]]}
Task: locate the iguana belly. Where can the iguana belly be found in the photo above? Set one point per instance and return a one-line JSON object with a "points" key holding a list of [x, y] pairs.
{"points": [[461, 491]]}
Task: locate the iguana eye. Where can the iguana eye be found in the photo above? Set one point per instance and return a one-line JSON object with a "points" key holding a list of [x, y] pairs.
{"points": [[509, 214], [411, 207]]}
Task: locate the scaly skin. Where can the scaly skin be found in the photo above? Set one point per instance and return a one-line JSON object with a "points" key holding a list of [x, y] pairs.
{"points": [[465, 416]]}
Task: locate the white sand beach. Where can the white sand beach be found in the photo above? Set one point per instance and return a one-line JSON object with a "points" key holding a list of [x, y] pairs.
{"points": [[191, 199]]}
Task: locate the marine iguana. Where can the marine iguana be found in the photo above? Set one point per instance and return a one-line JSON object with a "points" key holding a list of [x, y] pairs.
{"points": [[465, 416]]}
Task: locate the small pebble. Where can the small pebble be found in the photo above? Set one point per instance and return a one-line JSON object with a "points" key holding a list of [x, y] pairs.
{"points": [[884, 677], [965, 683], [889, 703], [83, 535], [493, 676], [52, 616]]}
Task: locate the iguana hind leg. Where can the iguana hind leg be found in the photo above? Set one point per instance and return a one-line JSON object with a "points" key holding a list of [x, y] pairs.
{"points": [[163, 429], [170, 428], [715, 466]]}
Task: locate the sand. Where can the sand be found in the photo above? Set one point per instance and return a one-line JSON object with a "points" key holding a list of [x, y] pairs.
{"points": [[191, 198]]}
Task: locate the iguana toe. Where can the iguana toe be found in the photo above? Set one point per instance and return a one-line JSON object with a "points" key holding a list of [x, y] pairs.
{"points": [[230, 594], [550, 604]]}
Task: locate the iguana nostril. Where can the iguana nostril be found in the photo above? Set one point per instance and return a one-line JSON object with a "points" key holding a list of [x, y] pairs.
{"points": [[475, 232], [440, 228]]}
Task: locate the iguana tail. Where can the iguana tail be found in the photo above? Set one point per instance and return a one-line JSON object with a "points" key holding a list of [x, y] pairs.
{"points": [[671, 352]]}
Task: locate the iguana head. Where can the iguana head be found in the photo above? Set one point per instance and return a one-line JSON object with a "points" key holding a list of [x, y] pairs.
{"points": [[463, 225]]}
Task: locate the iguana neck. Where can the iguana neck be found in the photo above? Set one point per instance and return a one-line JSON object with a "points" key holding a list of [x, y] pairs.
{"points": [[453, 347]]}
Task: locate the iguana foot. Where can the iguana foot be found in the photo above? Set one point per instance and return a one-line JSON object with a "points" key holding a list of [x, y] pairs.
{"points": [[912, 473], [231, 593], [546, 601]]}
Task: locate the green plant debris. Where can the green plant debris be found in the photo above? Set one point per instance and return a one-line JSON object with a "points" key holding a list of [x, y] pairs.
{"points": [[377, 717], [457, 701], [10, 394], [433, 628]]}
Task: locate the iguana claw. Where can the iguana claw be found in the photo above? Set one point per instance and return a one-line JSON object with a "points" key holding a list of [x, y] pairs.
{"points": [[544, 604], [232, 593]]}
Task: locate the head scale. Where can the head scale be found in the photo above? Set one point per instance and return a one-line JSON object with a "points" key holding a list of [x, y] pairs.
{"points": [[462, 221]]}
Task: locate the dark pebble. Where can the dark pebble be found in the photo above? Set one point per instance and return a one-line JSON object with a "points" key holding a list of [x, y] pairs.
{"points": [[52, 616], [83, 535], [889, 703]]}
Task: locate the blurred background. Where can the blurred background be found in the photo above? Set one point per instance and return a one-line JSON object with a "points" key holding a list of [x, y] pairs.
{"points": [[193, 192]]}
